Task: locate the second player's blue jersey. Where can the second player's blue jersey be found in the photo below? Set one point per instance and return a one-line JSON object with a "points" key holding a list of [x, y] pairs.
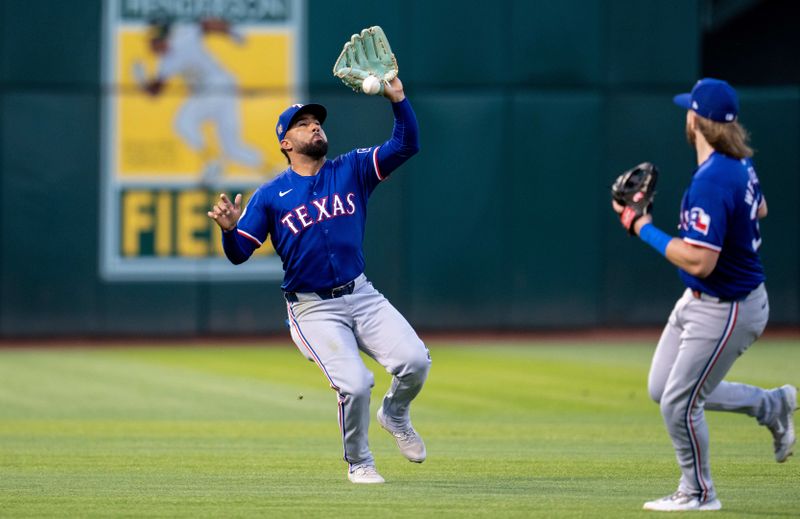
{"points": [[316, 223], [719, 211]]}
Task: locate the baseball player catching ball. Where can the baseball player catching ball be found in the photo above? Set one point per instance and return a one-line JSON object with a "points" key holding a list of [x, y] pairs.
{"points": [[315, 214], [724, 308]]}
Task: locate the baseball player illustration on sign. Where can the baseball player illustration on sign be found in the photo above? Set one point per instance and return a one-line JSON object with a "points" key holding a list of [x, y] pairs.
{"points": [[724, 308], [315, 215], [213, 91]]}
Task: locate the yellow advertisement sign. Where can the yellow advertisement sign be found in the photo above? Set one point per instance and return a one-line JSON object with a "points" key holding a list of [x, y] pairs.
{"points": [[193, 91]]}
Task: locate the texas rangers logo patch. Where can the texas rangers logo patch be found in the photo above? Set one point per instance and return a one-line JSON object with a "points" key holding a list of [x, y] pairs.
{"points": [[699, 220]]}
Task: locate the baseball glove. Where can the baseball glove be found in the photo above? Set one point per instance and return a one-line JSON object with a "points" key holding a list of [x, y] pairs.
{"points": [[366, 54], [635, 190]]}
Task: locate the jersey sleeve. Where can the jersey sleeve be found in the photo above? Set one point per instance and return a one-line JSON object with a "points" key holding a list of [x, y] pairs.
{"points": [[250, 232], [404, 142], [363, 163], [253, 225], [706, 216], [375, 164]]}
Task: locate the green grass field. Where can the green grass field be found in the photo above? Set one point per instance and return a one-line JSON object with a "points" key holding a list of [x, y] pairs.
{"points": [[547, 429]]}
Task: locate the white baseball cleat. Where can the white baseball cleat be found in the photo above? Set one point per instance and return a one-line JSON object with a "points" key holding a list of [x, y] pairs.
{"points": [[408, 441], [366, 474], [782, 428], [680, 502]]}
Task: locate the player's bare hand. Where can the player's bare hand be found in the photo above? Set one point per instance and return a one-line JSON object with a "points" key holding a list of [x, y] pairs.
{"points": [[393, 90], [618, 208], [225, 212]]}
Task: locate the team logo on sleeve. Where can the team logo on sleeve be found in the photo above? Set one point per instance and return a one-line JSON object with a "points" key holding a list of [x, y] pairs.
{"points": [[699, 220]]}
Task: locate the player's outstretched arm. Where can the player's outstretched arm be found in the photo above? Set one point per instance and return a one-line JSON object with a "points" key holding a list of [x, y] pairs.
{"points": [[393, 90], [404, 142]]}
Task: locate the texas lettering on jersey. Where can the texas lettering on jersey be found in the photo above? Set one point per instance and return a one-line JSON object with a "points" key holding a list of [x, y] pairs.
{"points": [[326, 208], [316, 222]]}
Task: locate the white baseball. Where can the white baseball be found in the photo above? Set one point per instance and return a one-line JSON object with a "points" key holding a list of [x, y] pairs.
{"points": [[371, 85]]}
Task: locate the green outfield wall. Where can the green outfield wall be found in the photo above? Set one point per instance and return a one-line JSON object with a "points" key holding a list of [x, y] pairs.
{"points": [[527, 112]]}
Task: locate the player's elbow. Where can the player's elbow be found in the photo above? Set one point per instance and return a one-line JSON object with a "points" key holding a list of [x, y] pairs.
{"points": [[700, 270], [237, 257], [700, 262], [236, 261], [762, 210], [408, 148]]}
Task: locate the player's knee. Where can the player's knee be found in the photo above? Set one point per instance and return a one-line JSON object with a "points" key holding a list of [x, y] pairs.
{"points": [[421, 360], [668, 411], [673, 409], [360, 387], [417, 363]]}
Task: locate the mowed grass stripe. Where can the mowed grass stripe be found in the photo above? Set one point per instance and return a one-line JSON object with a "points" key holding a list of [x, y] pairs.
{"points": [[99, 384], [548, 429]]}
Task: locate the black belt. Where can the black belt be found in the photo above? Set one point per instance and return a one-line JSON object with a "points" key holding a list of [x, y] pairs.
{"points": [[325, 294]]}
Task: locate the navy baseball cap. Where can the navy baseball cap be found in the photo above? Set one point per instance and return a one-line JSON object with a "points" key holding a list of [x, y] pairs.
{"points": [[293, 112], [711, 98]]}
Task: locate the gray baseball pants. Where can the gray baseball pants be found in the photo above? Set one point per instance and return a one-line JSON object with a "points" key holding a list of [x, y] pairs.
{"points": [[331, 333], [699, 344]]}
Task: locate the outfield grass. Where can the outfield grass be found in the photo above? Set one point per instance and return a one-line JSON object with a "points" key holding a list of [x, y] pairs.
{"points": [[547, 429]]}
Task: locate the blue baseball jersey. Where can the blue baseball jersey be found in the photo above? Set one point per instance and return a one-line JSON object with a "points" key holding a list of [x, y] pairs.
{"points": [[316, 223], [719, 211]]}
